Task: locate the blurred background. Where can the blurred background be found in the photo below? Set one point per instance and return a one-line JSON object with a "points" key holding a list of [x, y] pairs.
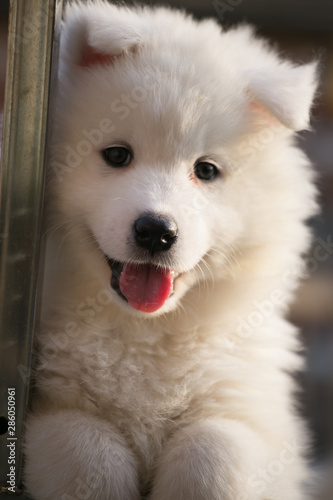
{"points": [[303, 31]]}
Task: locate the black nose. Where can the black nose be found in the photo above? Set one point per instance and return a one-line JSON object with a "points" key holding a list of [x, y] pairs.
{"points": [[155, 233]]}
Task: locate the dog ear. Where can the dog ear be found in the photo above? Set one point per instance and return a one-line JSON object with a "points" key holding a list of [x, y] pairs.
{"points": [[89, 37], [286, 92]]}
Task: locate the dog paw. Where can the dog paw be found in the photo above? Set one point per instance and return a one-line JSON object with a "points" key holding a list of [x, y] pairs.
{"points": [[71, 455], [205, 461]]}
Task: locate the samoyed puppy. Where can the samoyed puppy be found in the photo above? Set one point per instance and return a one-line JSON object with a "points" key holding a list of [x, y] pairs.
{"points": [[177, 206]]}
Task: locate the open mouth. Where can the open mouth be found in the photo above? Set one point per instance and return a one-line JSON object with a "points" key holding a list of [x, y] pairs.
{"points": [[145, 287]]}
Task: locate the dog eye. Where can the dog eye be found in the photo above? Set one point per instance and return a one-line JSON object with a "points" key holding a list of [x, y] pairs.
{"points": [[205, 171], [117, 156]]}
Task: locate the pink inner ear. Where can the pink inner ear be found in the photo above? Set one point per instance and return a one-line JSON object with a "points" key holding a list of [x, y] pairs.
{"points": [[254, 106], [261, 111], [90, 57]]}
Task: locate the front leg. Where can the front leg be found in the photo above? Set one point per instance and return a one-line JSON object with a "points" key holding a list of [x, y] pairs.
{"points": [[224, 460], [72, 455]]}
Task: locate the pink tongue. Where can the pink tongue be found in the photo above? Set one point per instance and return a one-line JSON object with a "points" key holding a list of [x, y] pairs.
{"points": [[145, 287]]}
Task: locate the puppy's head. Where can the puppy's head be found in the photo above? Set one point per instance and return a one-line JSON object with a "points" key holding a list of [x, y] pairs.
{"points": [[171, 148]]}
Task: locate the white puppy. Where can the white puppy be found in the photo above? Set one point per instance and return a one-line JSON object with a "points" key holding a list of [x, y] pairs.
{"points": [[177, 201]]}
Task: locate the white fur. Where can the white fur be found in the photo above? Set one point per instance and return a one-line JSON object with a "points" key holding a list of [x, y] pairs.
{"points": [[191, 402]]}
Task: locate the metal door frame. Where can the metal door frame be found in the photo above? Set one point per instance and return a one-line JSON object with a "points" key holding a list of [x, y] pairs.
{"points": [[31, 64]]}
